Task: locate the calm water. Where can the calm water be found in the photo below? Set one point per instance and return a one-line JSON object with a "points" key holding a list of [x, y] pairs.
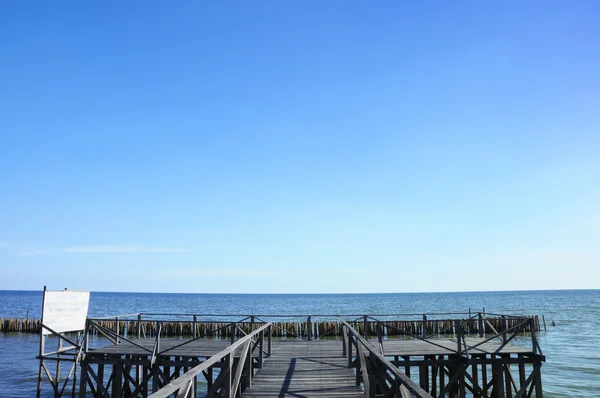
{"points": [[572, 347]]}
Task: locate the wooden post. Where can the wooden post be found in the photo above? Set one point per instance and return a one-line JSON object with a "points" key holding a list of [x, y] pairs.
{"points": [[269, 340], [537, 379], [365, 328], [100, 376], [80, 341], [424, 376], [498, 377], [458, 331], [344, 341], [358, 372], [209, 378], [309, 328], [226, 367], [507, 376], [423, 331], [83, 379], [476, 393], [372, 376], [158, 330], [233, 330], [480, 326], [155, 369], [42, 343], [195, 327], [248, 361], [117, 329], [441, 373], [380, 337], [139, 326], [60, 345], [117, 381], [522, 379], [533, 337], [544, 320], [261, 344], [349, 349]]}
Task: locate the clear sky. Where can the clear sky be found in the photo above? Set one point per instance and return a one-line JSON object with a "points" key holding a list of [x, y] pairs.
{"points": [[307, 146]]}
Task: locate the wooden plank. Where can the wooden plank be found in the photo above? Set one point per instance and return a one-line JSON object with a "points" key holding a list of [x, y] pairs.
{"points": [[306, 369]]}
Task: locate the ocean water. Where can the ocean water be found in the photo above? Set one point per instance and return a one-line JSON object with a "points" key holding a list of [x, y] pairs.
{"points": [[572, 347]]}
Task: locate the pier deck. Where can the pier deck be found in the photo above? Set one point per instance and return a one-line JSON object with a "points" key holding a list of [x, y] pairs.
{"points": [[251, 362], [203, 348], [314, 368], [300, 368], [206, 348]]}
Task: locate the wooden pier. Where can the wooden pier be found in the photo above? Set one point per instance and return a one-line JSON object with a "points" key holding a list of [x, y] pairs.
{"points": [[363, 361]]}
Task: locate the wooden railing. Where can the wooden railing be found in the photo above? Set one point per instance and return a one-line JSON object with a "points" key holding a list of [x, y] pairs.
{"points": [[144, 325], [377, 374], [510, 327], [235, 374]]}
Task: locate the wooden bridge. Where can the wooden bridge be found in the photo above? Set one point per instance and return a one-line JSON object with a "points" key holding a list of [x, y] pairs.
{"points": [[251, 363]]}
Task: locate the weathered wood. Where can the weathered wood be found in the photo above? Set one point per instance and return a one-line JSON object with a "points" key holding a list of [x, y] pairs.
{"points": [[307, 369], [226, 356], [449, 364], [386, 364]]}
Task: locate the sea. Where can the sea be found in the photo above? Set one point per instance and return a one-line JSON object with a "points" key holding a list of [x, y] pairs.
{"points": [[571, 341]]}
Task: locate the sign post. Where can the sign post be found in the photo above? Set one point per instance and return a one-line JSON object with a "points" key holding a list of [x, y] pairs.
{"points": [[63, 311]]}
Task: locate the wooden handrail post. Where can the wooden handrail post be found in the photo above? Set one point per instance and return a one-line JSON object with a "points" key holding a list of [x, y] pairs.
{"points": [[269, 341], [424, 329], [309, 328], [365, 328], [158, 330], [248, 364], [458, 328], [226, 367], [379, 330], [349, 348], [233, 330], [534, 342], [251, 323], [261, 345], [195, 327], [372, 375], [117, 329], [139, 328], [481, 326], [344, 340], [358, 372]]}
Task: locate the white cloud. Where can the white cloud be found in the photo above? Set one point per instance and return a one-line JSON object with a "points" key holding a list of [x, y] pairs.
{"points": [[126, 249], [3, 243]]}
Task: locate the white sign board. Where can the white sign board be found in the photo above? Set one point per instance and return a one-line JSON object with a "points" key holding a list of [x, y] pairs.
{"points": [[65, 311]]}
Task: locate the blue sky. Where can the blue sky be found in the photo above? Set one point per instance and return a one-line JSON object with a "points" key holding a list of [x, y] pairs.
{"points": [[337, 146]]}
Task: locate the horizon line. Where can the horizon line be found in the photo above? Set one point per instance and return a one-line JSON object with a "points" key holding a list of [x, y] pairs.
{"points": [[313, 293]]}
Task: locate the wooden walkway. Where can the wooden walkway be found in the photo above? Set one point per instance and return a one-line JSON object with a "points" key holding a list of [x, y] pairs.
{"points": [[317, 368], [303, 369]]}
